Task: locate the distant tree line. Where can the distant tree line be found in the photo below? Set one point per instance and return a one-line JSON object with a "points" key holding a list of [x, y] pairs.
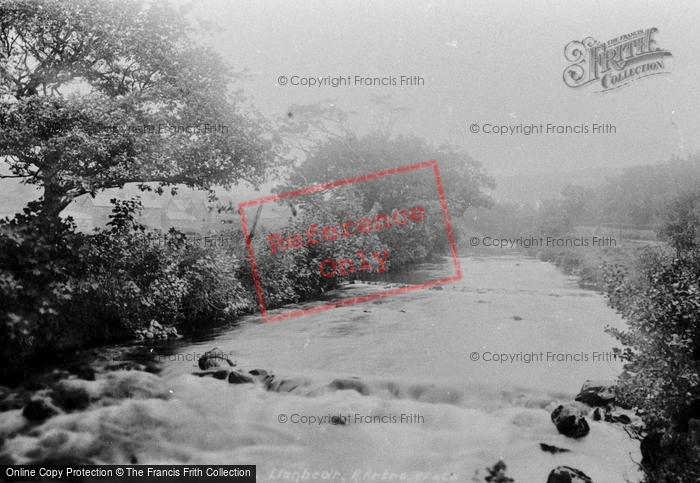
{"points": [[660, 197]]}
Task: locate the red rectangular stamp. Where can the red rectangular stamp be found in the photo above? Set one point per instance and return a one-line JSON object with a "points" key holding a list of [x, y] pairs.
{"points": [[332, 246]]}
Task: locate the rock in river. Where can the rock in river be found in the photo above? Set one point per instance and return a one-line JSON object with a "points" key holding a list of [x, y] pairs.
{"points": [[239, 378], [570, 422], [566, 474], [38, 410], [597, 393], [213, 359]]}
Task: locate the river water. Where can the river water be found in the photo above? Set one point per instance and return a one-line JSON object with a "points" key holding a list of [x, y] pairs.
{"points": [[418, 385]]}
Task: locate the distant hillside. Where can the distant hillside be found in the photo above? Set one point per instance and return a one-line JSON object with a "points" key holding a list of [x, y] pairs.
{"points": [[530, 188]]}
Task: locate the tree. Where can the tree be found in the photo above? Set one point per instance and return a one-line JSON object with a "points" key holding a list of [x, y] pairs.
{"points": [[95, 95], [682, 221], [344, 157]]}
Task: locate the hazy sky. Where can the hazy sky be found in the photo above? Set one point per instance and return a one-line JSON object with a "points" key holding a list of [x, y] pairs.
{"points": [[482, 62]]}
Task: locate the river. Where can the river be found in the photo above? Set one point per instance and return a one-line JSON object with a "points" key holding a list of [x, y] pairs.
{"points": [[425, 394]]}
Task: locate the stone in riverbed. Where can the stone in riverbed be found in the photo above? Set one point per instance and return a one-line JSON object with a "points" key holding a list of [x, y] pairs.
{"points": [[496, 474], [70, 398], [342, 384], [566, 474], [258, 372], [38, 410], [570, 422], [597, 393], [212, 359], [84, 372], [552, 449], [221, 374], [612, 415], [239, 378]]}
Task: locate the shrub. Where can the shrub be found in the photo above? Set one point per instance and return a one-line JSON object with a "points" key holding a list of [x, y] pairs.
{"points": [[661, 304], [39, 266]]}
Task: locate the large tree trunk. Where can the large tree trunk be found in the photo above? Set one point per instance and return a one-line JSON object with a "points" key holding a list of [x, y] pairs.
{"points": [[54, 201]]}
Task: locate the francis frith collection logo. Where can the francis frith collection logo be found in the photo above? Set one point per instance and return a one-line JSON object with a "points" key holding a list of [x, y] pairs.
{"points": [[615, 63]]}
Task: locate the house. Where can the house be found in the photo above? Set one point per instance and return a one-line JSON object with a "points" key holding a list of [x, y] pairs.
{"points": [[185, 214]]}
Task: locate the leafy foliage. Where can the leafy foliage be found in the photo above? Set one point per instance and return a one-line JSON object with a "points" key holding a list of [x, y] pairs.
{"points": [[682, 227], [662, 348], [348, 156], [294, 274], [340, 158], [39, 265], [140, 89]]}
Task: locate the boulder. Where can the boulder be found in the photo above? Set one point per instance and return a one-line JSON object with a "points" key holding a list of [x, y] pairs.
{"points": [[239, 378], [597, 393], [286, 385], [258, 372], [221, 374], [570, 421], [212, 359], [598, 414], [613, 415], [38, 410], [70, 398], [86, 373], [352, 384], [566, 474]]}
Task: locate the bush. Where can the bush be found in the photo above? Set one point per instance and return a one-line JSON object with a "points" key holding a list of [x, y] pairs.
{"points": [[61, 290], [294, 275], [661, 304], [39, 269]]}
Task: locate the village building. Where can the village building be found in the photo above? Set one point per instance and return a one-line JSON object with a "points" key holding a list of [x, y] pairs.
{"points": [[185, 214]]}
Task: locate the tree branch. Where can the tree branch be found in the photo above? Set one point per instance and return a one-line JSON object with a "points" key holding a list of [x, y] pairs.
{"points": [[3, 176]]}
